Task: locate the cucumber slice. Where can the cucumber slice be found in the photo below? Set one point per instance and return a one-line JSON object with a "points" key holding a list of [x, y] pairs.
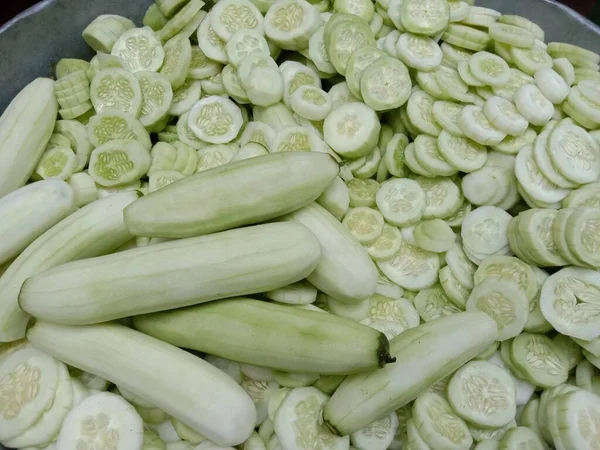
{"points": [[504, 301], [483, 394], [387, 244], [177, 60], [385, 84], [215, 119], [438, 424], [552, 85], [411, 161], [533, 106], [503, 115], [489, 69], [476, 126], [311, 102], [139, 49], [84, 189], [102, 33], [119, 162], [459, 10], [420, 112], [511, 145], [233, 85], [362, 9], [157, 96], [478, 20], [584, 106], [295, 139], [418, 52], [411, 268], [530, 60], [57, 163], [291, 23], [456, 292], [387, 288], [378, 435], [584, 374], [116, 89], [401, 201], [243, 43], [77, 136], [535, 227], [257, 132], [510, 268], [460, 266], [251, 150], [362, 192], [186, 135], [389, 43], [446, 114], [297, 420], [185, 97], [465, 37], [31, 379], [102, 419], [301, 293], [434, 236], [539, 359], [581, 235], [457, 218], [230, 16], [565, 69], [162, 178], [516, 80], [369, 167], [210, 43], [575, 154], [154, 18], [576, 412], [495, 434], [343, 36], [433, 304], [428, 156], [214, 156], [467, 75], [428, 17], [428, 82], [394, 155], [512, 35], [454, 54], [544, 162], [451, 84], [536, 322], [365, 224], [201, 66], [521, 437], [462, 153], [588, 195], [112, 124], [399, 311], [75, 112], [352, 130], [414, 440]]}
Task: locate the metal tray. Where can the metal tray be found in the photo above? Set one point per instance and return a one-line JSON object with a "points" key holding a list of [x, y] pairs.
{"points": [[32, 43]]}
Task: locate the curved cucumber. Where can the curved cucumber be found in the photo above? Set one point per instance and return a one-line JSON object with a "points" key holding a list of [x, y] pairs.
{"points": [[233, 195], [95, 229], [172, 274], [29, 211], [448, 343], [25, 129], [271, 335], [345, 271], [209, 401]]}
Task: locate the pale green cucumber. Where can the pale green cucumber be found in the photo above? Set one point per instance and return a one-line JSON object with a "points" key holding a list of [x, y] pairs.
{"points": [[240, 193], [448, 342], [210, 402], [345, 270], [173, 274], [25, 129], [271, 335], [95, 229], [29, 211]]}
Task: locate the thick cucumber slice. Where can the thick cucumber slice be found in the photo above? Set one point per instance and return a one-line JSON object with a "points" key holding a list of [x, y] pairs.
{"points": [[545, 164], [511, 35], [401, 201], [365, 224], [317, 53], [102, 33], [377, 436], [362, 192], [76, 112], [177, 60], [157, 96], [568, 302], [360, 8], [411, 161], [442, 197], [31, 379], [352, 130], [565, 69], [575, 154], [509, 268], [394, 155], [201, 66], [434, 236], [368, 166], [104, 419], [462, 153], [230, 16], [460, 266], [588, 195], [414, 440], [210, 43], [433, 304], [411, 268], [504, 301], [389, 43], [186, 135], [530, 60], [154, 18], [438, 424], [180, 21], [291, 23], [420, 112], [243, 43], [213, 156], [536, 322], [570, 350], [57, 163], [533, 106], [419, 52], [467, 75], [446, 114], [428, 17], [385, 84], [456, 292], [516, 80], [294, 75], [233, 86], [295, 139], [576, 412], [521, 437], [84, 189], [503, 115], [185, 97], [139, 49], [535, 227], [539, 359], [476, 126], [112, 124], [552, 85], [311, 102], [494, 434], [489, 69], [77, 135], [582, 236], [215, 119], [162, 178], [387, 244], [116, 89], [429, 157], [483, 393], [343, 36], [451, 84], [118, 162], [297, 420]]}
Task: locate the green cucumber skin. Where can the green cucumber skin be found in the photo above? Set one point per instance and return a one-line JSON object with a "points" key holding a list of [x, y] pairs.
{"points": [[270, 335], [424, 355], [233, 195], [34, 111], [172, 274]]}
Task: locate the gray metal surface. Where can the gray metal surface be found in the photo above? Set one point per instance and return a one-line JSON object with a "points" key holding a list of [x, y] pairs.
{"points": [[32, 43]]}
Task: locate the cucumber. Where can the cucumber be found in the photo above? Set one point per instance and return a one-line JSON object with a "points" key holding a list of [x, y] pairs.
{"points": [[449, 343], [345, 270], [95, 229], [236, 262], [272, 185], [30, 211], [271, 335], [25, 129], [210, 402]]}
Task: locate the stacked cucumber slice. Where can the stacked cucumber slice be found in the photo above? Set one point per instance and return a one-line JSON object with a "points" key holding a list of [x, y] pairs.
{"points": [[431, 278]]}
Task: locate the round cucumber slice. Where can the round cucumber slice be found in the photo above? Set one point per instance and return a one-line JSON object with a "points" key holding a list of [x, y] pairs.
{"points": [[214, 156], [582, 235], [503, 115], [116, 89], [429, 157], [533, 106], [419, 52], [177, 61], [521, 437], [401, 201], [539, 359], [428, 17], [490, 69], [243, 43], [433, 304], [311, 102], [365, 224], [56, 163], [118, 162], [575, 154], [411, 268], [504, 301], [378, 435], [530, 60], [157, 96], [233, 86], [446, 114], [394, 155], [462, 153], [139, 49], [460, 266], [387, 244], [545, 164], [201, 66], [343, 37], [510, 268], [434, 236], [162, 178], [484, 232], [457, 218], [229, 16], [210, 43], [215, 119], [295, 139], [362, 192], [420, 111], [185, 97], [442, 197], [291, 23], [352, 130], [456, 292], [477, 127], [385, 84]]}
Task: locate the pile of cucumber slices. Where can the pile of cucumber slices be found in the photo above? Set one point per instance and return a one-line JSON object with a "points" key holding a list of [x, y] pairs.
{"points": [[304, 225]]}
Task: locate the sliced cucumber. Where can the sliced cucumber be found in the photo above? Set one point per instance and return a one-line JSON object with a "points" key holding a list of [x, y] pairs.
{"points": [[425, 16], [442, 197], [352, 130], [362, 192], [476, 126], [57, 163], [291, 23], [116, 89], [539, 359], [157, 96], [401, 201], [119, 162], [411, 268], [139, 49], [116, 125], [434, 236], [215, 119], [432, 304]]}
